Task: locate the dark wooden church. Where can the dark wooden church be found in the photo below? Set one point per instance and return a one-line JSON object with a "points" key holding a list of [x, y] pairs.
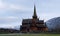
{"points": [[33, 25]]}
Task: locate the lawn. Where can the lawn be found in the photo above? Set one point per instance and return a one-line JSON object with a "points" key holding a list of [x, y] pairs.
{"points": [[29, 34]]}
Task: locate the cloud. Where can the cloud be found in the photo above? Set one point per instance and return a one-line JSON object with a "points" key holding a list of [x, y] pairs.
{"points": [[19, 7], [47, 16], [6, 6], [9, 22], [48, 9], [10, 19], [11, 25], [11, 11]]}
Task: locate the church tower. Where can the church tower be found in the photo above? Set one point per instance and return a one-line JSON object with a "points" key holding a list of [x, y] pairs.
{"points": [[34, 14]]}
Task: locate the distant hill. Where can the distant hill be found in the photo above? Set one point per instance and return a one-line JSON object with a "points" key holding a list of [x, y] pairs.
{"points": [[54, 23]]}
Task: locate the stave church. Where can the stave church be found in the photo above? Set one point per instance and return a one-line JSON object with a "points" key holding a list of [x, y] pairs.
{"points": [[33, 25]]}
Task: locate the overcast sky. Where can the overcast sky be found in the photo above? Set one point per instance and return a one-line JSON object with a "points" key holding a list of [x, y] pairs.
{"points": [[13, 11]]}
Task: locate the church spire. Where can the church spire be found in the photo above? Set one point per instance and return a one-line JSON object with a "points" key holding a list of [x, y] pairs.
{"points": [[34, 15]]}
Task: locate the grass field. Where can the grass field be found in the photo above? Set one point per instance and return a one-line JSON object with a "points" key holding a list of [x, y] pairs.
{"points": [[29, 34]]}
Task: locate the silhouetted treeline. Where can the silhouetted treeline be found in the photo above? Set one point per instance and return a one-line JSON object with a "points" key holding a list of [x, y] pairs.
{"points": [[3, 30]]}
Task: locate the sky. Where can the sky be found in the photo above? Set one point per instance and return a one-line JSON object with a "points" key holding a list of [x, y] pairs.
{"points": [[12, 12]]}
